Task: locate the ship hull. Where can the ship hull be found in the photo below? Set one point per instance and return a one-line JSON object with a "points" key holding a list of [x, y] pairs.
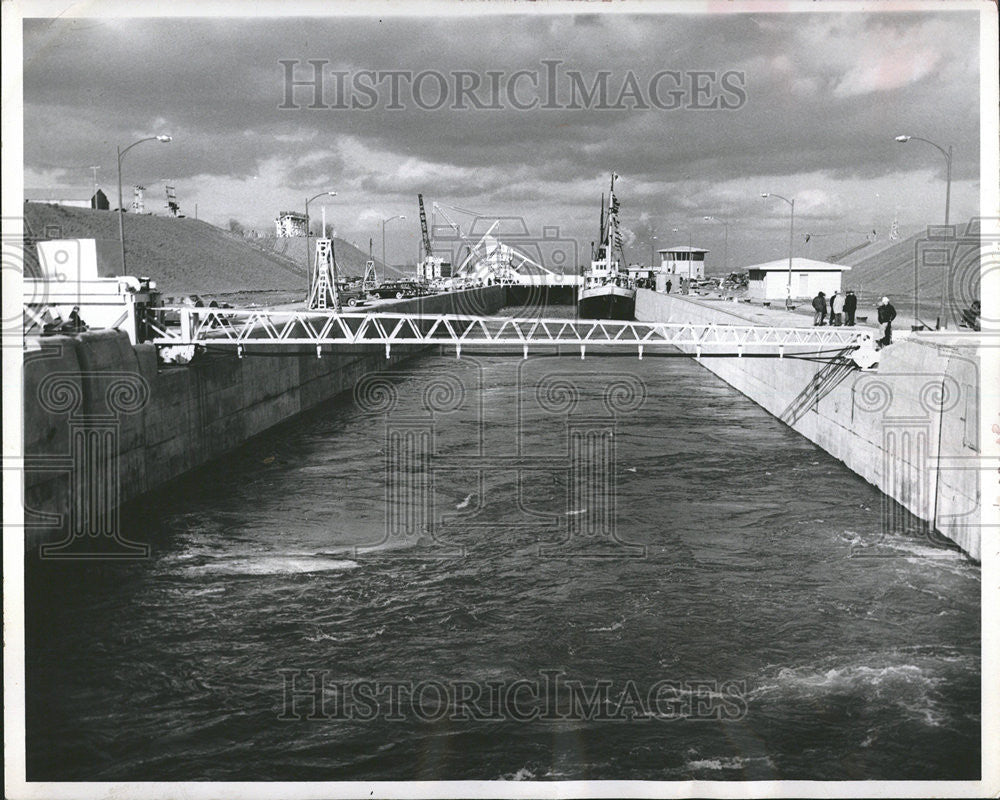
{"points": [[607, 302]]}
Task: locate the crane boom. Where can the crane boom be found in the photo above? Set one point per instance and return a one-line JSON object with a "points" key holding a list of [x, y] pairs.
{"points": [[428, 252]]}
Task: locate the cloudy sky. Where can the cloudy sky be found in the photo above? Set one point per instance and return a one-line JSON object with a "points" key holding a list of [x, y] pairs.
{"points": [[805, 105]]}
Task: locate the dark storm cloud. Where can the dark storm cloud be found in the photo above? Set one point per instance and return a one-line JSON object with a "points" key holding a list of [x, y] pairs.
{"points": [[824, 93]]}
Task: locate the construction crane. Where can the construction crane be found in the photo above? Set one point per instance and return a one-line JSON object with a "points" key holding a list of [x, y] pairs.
{"points": [[431, 267], [428, 252]]}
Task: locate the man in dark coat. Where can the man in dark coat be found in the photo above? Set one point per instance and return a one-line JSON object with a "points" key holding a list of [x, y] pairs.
{"points": [[819, 306], [850, 307], [886, 314]]}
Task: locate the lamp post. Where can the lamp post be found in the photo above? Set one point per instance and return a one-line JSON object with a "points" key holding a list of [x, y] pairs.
{"points": [[121, 211], [791, 242], [309, 277], [387, 219], [902, 139], [725, 257]]}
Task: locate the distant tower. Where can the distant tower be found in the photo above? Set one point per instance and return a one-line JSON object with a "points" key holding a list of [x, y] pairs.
{"points": [[324, 293], [370, 280], [138, 199], [173, 207]]}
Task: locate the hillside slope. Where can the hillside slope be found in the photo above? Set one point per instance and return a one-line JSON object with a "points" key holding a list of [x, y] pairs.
{"points": [[186, 256], [350, 260], [915, 264]]}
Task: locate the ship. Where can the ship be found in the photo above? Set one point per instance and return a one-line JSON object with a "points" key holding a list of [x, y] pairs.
{"points": [[607, 292]]}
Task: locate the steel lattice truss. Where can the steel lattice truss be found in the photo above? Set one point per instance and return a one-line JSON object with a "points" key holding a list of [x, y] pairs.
{"points": [[262, 328]]}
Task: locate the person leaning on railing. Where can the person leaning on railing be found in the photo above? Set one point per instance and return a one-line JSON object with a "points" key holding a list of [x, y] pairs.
{"points": [[886, 314], [819, 306]]}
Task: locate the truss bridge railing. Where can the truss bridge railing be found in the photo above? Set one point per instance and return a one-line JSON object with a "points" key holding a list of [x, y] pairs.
{"points": [[265, 329]]}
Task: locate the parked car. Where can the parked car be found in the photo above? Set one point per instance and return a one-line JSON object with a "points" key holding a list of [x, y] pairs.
{"points": [[352, 297], [397, 289]]}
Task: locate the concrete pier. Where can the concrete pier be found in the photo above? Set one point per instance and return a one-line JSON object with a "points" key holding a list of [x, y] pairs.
{"points": [[910, 427]]}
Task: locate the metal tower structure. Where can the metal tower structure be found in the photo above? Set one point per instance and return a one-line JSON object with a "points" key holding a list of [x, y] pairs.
{"points": [[370, 280], [324, 290], [428, 252]]}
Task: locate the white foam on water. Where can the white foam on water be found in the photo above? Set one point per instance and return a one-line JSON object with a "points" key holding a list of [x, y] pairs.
{"points": [[523, 774], [910, 688], [615, 626], [734, 762], [274, 565]]}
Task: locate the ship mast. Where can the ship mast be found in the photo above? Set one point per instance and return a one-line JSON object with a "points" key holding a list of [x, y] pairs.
{"points": [[612, 233], [600, 236]]}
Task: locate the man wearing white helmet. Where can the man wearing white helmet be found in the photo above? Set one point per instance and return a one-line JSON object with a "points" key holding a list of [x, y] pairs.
{"points": [[886, 314]]}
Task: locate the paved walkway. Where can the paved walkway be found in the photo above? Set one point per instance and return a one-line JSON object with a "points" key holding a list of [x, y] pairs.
{"points": [[777, 315]]}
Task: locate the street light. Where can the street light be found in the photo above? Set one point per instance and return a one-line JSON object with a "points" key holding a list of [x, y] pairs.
{"points": [[903, 139], [121, 211], [791, 241], [309, 277], [726, 256], [387, 219]]}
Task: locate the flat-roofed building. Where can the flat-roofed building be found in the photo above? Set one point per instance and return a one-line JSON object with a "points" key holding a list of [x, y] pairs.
{"points": [[770, 280], [290, 224], [684, 262]]}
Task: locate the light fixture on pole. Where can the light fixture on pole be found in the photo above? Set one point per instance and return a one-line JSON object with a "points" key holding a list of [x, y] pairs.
{"points": [[309, 277], [726, 251], [902, 139], [791, 242], [387, 219], [121, 211]]}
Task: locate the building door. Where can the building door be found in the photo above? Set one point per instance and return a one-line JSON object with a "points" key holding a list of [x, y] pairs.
{"points": [[804, 284]]}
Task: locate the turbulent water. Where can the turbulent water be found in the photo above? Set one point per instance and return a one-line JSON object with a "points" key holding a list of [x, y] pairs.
{"points": [[746, 617]]}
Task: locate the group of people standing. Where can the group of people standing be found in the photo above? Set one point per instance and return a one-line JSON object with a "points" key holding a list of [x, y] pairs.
{"points": [[842, 308]]}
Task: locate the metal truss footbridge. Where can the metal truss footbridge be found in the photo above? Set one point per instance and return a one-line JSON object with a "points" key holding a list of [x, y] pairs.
{"points": [[266, 330]]}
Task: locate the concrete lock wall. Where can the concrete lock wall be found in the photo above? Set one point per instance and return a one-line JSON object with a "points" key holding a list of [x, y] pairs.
{"points": [[169, 420], [910, 427]]}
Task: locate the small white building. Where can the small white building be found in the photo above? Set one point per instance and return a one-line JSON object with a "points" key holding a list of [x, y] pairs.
{"points": [[641, 272], [684, 262], [290, 224], [770, 281]]}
